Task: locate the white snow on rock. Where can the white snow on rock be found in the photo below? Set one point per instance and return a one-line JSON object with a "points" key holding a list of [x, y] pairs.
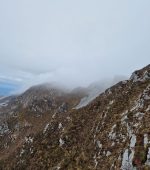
{"points": [[129, 130], [109, 91], [146, 97], [139, 104], [129, 154], [113, 144], [22, 152], [139, 115], [124, 113], [45, 129], [124, 117], [127, 161], [148, 158], [136, 125], [95, 161], [4, 128], [108, 153], [111, 102], [54, 115], [29, 139], [146, 93], [31, 150], [58, 167], [61, 142], [13, 137], [112, 134], [99, 144], [145, 140], [148, 108], [136, 77], [133, 141], [60, 126]]}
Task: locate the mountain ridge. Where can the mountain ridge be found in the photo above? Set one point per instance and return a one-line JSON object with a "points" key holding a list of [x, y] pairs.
{"points": [[111, 132]]}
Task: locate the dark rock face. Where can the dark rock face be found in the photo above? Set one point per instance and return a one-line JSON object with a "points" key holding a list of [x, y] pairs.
{"points": [[44, 131]]}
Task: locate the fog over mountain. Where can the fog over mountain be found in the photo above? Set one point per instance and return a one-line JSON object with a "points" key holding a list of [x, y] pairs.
{"points": [[74, 84], [71, 42]]}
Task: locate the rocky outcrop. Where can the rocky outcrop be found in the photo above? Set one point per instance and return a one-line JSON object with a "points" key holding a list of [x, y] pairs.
{"points": [[112, 132]]}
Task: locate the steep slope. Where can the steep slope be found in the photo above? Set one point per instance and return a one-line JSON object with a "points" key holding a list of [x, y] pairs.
{"points": [[96, 88], [112, 132], [30, 112]]}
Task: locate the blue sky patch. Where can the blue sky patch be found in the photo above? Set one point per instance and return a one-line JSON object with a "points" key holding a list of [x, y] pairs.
{"points": [[7, 88]]}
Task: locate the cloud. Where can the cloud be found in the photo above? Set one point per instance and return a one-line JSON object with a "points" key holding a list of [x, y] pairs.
{"points": [[72, 42]]}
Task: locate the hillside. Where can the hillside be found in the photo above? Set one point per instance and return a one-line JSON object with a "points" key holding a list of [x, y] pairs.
{"points": [[40, 129]]}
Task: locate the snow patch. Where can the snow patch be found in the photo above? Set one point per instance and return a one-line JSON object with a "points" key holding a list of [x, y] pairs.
{"points": [[95, 160], [139, 115], [129, 154], [45, 129], [148, 158], [133, 141], [145, 140], [4, 128], [111, 102], [108, 153], [136, 77], [148, 108], [28, 139], [124, 117], [60, 126], [99, 144], [22, 152], [139, 104], [58, 167], [146, 97], [113, 144], [61, 142], [127, 161], [112, 134]]}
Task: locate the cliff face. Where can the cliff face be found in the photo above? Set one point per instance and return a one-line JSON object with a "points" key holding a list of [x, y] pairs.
{"points": [[112, 132]]}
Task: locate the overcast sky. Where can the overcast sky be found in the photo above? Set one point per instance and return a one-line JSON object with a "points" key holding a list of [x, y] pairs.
{"points": [[74, 42]]}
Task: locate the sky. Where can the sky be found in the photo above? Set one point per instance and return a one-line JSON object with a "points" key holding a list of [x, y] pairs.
{"points": [[73, 42]]}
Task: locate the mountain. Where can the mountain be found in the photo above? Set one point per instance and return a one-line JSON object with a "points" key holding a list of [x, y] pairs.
{"points": [[96, 88], [43, 128]]}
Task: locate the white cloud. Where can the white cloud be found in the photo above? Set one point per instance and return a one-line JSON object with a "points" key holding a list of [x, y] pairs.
{"points": [[72, 42]]}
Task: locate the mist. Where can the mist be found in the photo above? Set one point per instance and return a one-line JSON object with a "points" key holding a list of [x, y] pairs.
{"points": [[73, 43]]}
